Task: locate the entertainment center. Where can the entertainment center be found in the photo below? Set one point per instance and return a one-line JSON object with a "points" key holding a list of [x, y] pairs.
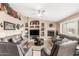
{"points": [[39, 28]]}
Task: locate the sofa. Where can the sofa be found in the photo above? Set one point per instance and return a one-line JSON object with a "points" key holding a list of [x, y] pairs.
{"points": [[67, 47], [20, 42]]}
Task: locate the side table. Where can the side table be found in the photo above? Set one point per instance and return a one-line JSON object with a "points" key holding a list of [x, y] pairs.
{"points": [[77, 50]]}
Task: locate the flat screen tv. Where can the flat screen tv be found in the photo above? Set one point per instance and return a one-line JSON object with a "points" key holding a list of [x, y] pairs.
{"points": [[34, 32]]}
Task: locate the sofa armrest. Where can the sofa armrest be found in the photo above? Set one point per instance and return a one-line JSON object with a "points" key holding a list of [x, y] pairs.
{"points": [[28, 52], [43, 53]]}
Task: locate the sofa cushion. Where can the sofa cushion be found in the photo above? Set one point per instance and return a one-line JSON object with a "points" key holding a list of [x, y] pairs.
{"points": [[58, 38], [65, 40]]}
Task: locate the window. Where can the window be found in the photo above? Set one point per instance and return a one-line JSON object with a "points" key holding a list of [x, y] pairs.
{"points": [[70, 27]]}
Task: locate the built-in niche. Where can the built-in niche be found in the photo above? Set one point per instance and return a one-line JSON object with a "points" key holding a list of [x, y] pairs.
{"points": [[26, 24], [42, 29], [34, 22], [50, 25], [42, 33], [42, 24]]}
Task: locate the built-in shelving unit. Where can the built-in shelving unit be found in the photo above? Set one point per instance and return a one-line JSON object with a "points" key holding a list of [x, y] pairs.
{"points": [[34, 25]]}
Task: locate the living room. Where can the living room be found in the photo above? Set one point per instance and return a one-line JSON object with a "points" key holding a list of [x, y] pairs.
{"points": [[32, 31]]}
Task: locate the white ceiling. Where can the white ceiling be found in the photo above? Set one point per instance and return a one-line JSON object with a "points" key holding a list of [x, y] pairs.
{"points": [[53, 11]]}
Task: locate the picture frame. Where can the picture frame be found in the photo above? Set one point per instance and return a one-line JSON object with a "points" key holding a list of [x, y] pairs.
{"points": [[26, 24], [9, 26], [18, 26]]}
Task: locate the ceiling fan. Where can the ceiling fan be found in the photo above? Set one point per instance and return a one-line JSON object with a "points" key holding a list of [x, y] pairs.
{"points": [[40, 12]]}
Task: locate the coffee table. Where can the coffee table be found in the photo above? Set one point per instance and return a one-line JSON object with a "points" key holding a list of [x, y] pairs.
{"points": [[77, 50], [36, 52]]}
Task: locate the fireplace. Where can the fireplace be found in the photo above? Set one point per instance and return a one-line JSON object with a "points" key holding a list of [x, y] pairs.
{"points": [[51, 33]]}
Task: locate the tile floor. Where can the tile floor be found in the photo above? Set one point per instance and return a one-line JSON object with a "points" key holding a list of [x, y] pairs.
{"points": [[37, 53]]}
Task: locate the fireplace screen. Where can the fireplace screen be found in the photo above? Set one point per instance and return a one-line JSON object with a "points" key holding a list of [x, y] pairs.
{"points": [[50, 33]]}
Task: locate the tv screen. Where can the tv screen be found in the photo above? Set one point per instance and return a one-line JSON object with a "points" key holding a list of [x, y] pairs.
{"points": [[34, 32]]}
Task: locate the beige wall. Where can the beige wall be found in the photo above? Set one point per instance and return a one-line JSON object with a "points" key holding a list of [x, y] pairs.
{"points": [[6, 17], [71, 17]]}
